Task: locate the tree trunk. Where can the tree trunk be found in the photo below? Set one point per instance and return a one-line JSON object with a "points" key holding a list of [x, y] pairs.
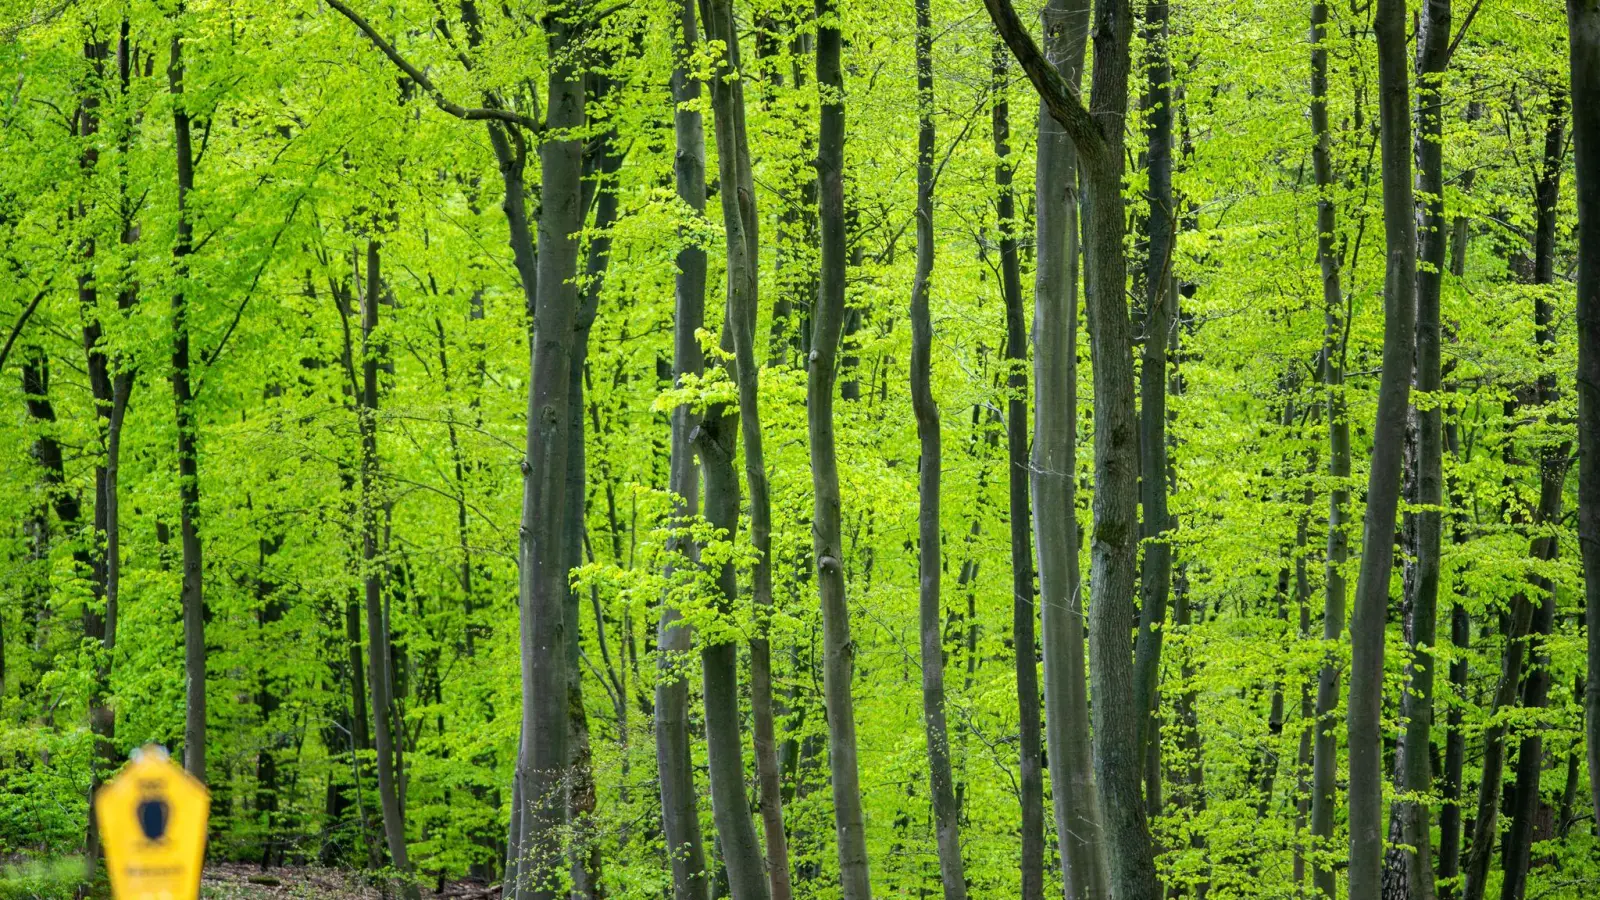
{"points": [[1160, 318], [1022, 612], [1325, 755], [1552, 478], [679, 812], [542, 766], [838, 649], [110, 391], [194, 615], [1383, 484], [1583, 27], [379, 671], [946, 814], [1079, 824], [741, 223], [1414, 758], [1485, 822], [599, 191], [1098, 134], [715, 438]]}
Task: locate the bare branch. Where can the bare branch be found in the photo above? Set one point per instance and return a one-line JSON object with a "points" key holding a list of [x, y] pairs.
{"points": [[470, 113], [1064, 104]]}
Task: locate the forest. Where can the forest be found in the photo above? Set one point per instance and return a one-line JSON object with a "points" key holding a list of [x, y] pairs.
{"points": [[808, 449]]}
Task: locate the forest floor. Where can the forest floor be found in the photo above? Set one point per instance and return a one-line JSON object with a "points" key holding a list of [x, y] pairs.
{"points": [[245, 881]]}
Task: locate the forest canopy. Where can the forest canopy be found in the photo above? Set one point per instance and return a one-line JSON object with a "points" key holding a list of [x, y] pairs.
{"points": [[781, 449]]}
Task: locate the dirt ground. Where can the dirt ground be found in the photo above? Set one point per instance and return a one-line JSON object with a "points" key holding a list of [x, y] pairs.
{"points": [[242, 881]]}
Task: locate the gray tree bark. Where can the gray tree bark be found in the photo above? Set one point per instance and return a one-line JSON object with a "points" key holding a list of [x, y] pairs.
{"points": [[1325, 753], [379, 671], [1079, 824], [744, 270], [1161, 313], [1583, 30], [716, 439], [1413, 756], [1383, 483], [1030, 750], [543, 763], [679, 812], [1552, 461], [946, 814], [1097, 132], [193, 601], [827, 545]]}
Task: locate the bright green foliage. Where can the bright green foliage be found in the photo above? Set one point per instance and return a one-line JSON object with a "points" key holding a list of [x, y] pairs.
{"points": [[311, 144]]}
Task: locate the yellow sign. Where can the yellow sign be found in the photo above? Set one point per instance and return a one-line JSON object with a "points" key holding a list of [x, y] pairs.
{"points": [[153, 825]]}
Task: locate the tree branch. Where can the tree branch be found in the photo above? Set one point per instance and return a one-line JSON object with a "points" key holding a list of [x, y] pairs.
{"points": [[1064, 105], [470, 113], [21, 321]]}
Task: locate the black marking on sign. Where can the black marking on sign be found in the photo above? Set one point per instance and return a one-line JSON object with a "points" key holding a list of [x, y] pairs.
{"points": [[154, 815]]}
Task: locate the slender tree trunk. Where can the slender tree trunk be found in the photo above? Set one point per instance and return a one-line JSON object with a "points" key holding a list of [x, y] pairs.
{"points": [[1583, 28], [1022, 612], [1485, 822], [838, 650], [716, 439], [1552, 478], [1325, 754], [110, 392], [1079, 824], [194, 615], [680, 815], [946, 814], [1160, 317], [1414, 758], [741, 223], [1383, 485], [379, 670]]}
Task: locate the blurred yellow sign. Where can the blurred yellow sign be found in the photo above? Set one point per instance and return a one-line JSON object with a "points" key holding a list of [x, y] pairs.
{"points": [[153, 825]]}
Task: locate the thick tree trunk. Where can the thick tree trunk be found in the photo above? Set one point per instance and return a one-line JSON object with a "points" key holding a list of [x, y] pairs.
{"points": [[1079, 824], [379, 671], [543, 763], [679, 812], [827, 547], [599, 191], [1022, 613], [194, 615], [1161, 314], [1583, 28], [1325, 752], [1414, 758], [946, 814], [1370, 614]]}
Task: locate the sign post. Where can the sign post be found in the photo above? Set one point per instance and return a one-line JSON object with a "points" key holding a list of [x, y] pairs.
{"points": [[152, 820]]}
